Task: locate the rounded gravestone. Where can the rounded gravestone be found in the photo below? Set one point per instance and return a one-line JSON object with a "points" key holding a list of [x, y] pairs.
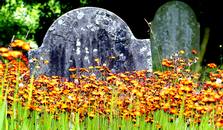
{"points": [[82, 35], [174, 28]]}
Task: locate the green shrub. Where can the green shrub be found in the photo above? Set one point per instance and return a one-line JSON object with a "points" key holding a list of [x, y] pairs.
{"points": [[19, 20]]}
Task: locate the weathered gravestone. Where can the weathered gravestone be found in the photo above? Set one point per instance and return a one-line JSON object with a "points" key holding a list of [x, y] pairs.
{"points": [[80, 36], [174, 28]]}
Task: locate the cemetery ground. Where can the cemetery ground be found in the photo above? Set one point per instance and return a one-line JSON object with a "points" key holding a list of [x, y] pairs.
{"points": [[174, 98]]}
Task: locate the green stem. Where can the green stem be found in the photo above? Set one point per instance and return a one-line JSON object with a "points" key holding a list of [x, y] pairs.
{"points": [[203, 49]]}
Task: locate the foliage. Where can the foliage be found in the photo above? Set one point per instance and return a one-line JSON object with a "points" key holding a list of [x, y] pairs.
{"points": [[18, 19]]}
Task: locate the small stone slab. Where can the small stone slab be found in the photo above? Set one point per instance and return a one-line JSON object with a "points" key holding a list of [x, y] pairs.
{"points": [[82, 35], [174, 28]]}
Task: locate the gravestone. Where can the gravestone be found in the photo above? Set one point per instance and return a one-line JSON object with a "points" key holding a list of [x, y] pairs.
{"points": [[82, 35], [174, 28]]}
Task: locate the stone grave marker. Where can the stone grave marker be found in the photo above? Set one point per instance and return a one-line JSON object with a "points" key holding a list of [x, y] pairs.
{"points": [[174, 28], [82, 35]]}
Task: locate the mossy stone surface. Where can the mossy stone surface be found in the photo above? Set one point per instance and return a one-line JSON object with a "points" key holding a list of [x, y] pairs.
{"points": [[174, 28]]}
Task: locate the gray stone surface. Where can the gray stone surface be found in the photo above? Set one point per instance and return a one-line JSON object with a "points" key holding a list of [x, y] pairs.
{"points": [[174, 28], [80, 36]]}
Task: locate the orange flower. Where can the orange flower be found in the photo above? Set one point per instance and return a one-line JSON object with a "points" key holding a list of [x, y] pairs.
{"points": [[219, 123], [15, 54], [17, 43], [10, 112], [212, 65], [149, 120], [137, 113], [72, 69], [21, 44], [194, 52], [173, 110], [26, 46], [167, 63], [111, 78], [91, 114], [5, 55], [3, 50], [64, 106]]}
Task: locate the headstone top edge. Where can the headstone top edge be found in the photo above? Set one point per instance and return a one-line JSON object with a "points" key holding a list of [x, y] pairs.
{"points": [[90, 7], [172, 3]]}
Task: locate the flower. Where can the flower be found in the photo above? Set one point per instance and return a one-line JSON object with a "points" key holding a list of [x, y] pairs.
{"points": [[72, 69], [15, 54], [218, 81], [194, 52], [167, 63], [26, 47], [128, 94], [46, 62], [21, 85], [219, 123], [212, 65], [182, 51], [97, 60], [3, 50], [5, 55], [17, 43]]}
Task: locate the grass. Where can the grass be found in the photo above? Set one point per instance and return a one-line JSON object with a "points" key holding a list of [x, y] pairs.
{"points": [[46, 121], [176, 98]]}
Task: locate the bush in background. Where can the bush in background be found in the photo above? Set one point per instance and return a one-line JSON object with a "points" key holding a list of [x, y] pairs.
{"points": [[18, 20]]}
